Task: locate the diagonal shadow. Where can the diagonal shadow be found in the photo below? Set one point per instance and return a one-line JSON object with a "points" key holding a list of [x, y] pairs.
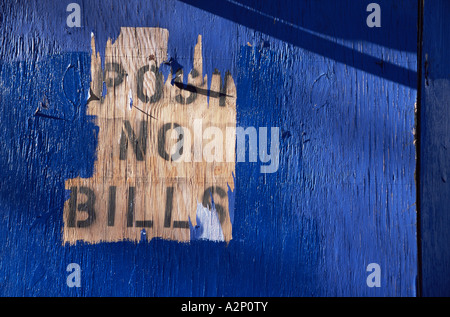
{"points": [[247, 13]]}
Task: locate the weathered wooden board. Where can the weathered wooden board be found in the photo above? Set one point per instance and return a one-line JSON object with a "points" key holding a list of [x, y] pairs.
{"points": [[327, 189], [134, 171], [434, 150]]}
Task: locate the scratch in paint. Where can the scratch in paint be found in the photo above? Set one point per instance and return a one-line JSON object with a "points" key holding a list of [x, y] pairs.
{"points": [[38, 113]]}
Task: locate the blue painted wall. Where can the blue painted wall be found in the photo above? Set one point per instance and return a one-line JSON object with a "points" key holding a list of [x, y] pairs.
{"points": [[434, 150], [344, 196]]}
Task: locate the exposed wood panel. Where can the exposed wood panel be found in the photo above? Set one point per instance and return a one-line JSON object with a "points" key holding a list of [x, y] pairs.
{"points": [[337, 95], [136, 180]]}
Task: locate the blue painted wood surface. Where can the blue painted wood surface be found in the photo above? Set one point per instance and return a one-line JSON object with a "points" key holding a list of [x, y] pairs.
{"points": [[434, 150], [344, 196]]}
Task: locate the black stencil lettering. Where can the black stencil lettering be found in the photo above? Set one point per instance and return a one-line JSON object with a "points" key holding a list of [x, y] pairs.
{"points": [[223, 88], [130, 211], [193, 90], [169, 206], [139, 144], [72, 207], [162, 141], [144, 223], [209, 194], [112, 205], [118, 79], [87, 206], [158, 84], [181, 224]]}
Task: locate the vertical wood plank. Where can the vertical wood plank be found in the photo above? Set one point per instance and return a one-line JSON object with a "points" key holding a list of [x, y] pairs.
{"points": [[434, 153]]}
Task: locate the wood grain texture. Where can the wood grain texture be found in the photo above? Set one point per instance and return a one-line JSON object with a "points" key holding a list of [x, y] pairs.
{"points": [[342, 95], [134, 140], [435, 131]]}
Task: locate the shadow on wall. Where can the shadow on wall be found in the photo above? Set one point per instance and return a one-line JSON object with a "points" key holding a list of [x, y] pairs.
{"points": [[47, 136], [322, 27]]}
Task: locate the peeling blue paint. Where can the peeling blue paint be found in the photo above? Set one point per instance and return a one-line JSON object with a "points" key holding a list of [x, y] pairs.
{"points": [[207, 225], [340, 200]]}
